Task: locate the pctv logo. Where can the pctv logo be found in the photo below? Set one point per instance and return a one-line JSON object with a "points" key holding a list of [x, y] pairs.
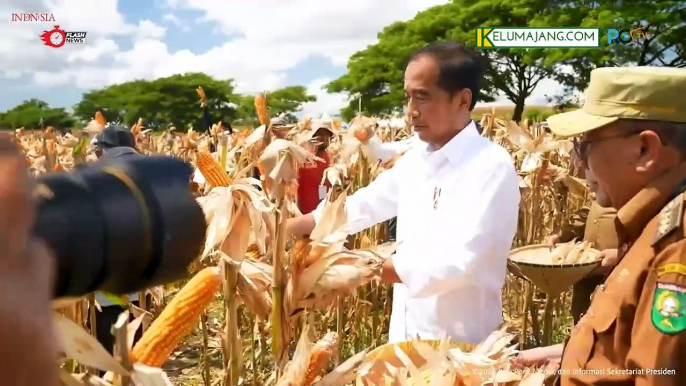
{"points": [[625, 36]]}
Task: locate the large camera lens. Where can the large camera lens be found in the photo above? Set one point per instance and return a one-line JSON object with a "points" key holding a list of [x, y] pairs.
{"points": [[120, 225]]}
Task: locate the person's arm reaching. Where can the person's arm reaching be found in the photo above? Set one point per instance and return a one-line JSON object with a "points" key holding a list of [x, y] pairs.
{"points": [[483, 234], [377, 151], [368, 206]]}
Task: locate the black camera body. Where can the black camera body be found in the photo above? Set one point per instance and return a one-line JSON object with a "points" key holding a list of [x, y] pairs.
{"points": [[120, 225]]}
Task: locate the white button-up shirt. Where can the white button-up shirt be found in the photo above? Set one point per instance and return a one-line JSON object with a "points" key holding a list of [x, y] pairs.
{"points": [[457, 210]]}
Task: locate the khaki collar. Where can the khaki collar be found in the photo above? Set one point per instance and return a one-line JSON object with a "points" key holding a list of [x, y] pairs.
{"points": [[644, 206]]}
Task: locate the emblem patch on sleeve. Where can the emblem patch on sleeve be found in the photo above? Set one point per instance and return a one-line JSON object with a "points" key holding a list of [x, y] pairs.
{"points": [[669, 308]]}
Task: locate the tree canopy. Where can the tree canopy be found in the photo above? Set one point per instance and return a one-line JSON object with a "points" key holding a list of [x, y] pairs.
{"points": [[161, 102], [35, 113], [375, 74], [287, 100], [173, 101]]}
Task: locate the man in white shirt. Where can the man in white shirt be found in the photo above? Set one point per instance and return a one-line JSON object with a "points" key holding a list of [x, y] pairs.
{"points": [[456, 197]]}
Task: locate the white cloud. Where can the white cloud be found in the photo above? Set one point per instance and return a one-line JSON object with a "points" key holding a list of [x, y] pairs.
{"points": [[170, 18], [24, 53], [274, 36], [94, 50], [326, 103], [150, 30]]}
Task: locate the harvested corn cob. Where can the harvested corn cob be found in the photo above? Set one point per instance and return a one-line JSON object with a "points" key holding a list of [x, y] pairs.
{"points": [[321, 353], [201, 94], [136, 129], [177, 319], [211, 170], [261, 108], [100, 118]]}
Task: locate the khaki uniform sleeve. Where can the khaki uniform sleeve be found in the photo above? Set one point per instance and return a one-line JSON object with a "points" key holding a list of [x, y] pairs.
{"points": [[658, 346], [576, 226]]}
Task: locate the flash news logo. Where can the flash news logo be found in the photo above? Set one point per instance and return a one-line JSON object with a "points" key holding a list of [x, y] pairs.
{"points": [[58, 37]]}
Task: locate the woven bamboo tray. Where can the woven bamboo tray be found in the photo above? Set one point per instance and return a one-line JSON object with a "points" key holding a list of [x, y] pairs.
{"points": [[380, 356], [553, 279]]}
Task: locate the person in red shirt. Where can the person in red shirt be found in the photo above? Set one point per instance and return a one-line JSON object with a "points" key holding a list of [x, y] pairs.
{"points": [[311, 191]]}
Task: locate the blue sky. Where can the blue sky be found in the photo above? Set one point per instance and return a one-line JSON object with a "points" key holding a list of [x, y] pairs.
{"points": [[262, 44]]}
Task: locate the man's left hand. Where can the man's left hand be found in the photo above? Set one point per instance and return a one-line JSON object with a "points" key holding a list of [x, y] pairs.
{"points": [[388, 273], [610, 258]]}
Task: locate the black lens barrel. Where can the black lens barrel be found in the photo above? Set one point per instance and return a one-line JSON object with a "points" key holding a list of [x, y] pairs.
{"points": [[120, 225]]}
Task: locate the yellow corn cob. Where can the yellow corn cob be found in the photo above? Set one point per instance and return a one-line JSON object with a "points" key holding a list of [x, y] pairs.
{"points": [[99, 118], [201, 93], [210, 168], [50, 146], [136, 129], [177, 319], [253, 252], [261, 108], [319, 357]]}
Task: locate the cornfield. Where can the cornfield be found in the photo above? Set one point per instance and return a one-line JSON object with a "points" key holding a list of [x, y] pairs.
{"points": [[262, 309]]}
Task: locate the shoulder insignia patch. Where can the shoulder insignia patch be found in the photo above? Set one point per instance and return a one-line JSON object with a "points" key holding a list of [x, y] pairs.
{"points": [[669, 308], [676, 268], [670, 218]]}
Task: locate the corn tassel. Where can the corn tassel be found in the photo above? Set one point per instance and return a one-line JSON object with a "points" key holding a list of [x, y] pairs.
{"points": [[211, 170], [177, 319], [261, 108]]}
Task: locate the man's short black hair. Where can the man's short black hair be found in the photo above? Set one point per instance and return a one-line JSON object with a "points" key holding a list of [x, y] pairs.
{"points": [[459, 67]]}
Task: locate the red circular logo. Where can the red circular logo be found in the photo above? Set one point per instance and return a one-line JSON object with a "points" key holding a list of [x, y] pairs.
{"points": [[54, 38]]}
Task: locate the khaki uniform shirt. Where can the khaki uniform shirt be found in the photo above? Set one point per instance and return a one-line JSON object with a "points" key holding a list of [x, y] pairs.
{"points": [[595, 224], [634, 331]]}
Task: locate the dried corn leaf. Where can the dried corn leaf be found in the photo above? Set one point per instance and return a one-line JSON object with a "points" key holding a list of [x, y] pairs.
{"points": [[79, 345]]}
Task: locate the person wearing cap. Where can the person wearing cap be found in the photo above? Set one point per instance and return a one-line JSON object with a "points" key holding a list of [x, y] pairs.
{"points": [[311, 191], [113, 141], [631, 133]]}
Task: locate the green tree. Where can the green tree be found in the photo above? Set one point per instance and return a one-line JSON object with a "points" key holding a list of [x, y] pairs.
{"points": [[287, 100], [163, 102], [34, 113], [664, 23], [376, 73]]}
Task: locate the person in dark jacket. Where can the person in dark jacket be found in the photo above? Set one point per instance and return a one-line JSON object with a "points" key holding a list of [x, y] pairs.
{"points": [[113, 142], [114, 137]]}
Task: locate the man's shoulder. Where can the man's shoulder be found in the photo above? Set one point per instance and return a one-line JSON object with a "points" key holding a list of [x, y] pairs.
{"points": [[669, 223], [492, 155]]}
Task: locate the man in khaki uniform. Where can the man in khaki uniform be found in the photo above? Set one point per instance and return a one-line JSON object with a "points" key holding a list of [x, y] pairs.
{"points": [[633, 138], [595, 224]]}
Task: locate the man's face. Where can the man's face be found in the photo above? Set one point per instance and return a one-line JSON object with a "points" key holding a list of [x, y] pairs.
{"points": [[622, 161], [600, 197], [433, 112], [322, 138]]}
